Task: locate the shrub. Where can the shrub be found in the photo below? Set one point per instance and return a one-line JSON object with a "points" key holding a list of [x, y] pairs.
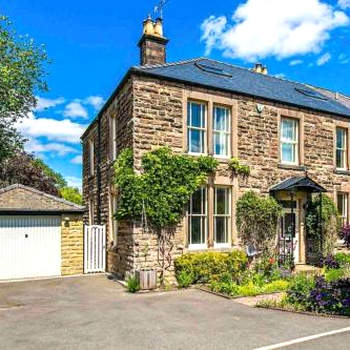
{"points": [[334, 274], [268, 268], [332, 297], [330, 262], [208, 266], [345, 235], [184, 279], [238, 168], [133, 284], [329, 222], [300, 288], [257, 219], [343, 259]]}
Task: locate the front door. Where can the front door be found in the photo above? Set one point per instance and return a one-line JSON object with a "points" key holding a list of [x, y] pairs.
{"points": [[289, 233]]}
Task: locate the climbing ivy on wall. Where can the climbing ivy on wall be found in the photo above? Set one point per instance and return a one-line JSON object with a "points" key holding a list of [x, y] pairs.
{"points": [[163, 188]]}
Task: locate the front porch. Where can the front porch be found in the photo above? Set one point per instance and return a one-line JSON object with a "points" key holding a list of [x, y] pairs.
{"points": [[294, 243]]}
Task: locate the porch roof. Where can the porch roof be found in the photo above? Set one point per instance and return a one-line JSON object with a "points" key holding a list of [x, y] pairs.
{"points": [[301, 183]]}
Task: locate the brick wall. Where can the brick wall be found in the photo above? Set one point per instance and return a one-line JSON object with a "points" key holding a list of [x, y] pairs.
{"points": [[72, 245]]}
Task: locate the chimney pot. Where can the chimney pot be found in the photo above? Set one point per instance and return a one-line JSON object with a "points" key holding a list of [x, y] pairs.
{"points": [[158, 27]]}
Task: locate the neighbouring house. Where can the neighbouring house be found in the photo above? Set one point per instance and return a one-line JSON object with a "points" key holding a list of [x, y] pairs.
{"points": [[40, 235], [295, 139]]}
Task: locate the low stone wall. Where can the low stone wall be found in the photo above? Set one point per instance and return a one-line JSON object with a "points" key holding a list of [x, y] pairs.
{"points": [[72, 245]]}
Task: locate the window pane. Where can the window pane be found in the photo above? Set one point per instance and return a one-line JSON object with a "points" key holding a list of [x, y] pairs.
{"points": [[288, 129], [221, 205], [197, 202], [220, 144], [196, 230], [221, 119], [196, 141], [288, 154], [340, 158], [340, 204], [220, 229], [340, 138], [196, 115]]}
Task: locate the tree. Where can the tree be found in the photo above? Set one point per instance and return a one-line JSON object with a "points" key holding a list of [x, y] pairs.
{"points": [[57, 177], [21, 72], [22, 69], [23, 169], [71, 194]]}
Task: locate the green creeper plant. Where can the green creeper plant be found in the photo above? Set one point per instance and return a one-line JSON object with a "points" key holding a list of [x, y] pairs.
{"points": [[238, 168], [160, 191]]}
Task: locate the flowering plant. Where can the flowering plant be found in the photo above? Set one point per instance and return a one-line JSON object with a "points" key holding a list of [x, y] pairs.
{"points": [[345, 235]]}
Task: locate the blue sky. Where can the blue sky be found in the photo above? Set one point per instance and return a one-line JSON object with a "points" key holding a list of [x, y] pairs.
{"points": [[93, 43]]}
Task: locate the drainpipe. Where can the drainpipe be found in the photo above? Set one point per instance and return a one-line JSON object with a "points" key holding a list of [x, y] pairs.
{"points": [[98, 173]]}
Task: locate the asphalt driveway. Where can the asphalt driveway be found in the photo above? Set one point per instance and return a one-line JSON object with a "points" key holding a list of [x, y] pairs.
{"points": [[96, 313]]}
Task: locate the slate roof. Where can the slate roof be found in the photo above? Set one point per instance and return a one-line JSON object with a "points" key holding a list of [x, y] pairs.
{"points": [[298, 183], [210, 73]]}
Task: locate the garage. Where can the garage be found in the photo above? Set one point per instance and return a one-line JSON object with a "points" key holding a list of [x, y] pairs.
{"points": [[40, 235]]}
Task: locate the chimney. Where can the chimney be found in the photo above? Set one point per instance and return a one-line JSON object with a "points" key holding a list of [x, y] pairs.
{"points": [[152, 43], [259, 68]]}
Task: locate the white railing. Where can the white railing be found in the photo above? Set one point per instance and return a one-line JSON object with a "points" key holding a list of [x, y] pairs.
{"points": [[94, 248]]}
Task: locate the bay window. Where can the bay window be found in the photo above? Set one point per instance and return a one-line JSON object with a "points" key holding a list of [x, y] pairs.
{"points": [[221, 131], [197, 219], [341, 148], [196, 127], [222, 216], [289, 141]]}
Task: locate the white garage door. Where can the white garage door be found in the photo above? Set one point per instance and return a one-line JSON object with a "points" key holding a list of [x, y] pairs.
{"points": [[30, 246]]}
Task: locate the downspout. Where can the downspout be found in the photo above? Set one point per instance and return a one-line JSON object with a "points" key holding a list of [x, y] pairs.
{"points": [[98, 173]]}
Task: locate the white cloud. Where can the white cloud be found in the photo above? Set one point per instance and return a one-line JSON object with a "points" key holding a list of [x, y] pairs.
{"points": [[77, 160], [280, 75], [54, 130], [74, 181], [262, 28], [54, 148], [343, 59], [323, 59], [295, 62], [95, 101], [45, 103], [75, 110], [344, 4]]}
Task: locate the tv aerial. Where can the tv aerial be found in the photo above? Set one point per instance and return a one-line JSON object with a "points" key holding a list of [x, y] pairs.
{"points": [[158, 9]]}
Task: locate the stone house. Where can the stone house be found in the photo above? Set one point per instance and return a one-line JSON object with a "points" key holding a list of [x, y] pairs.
{"points": [[278, 127]]}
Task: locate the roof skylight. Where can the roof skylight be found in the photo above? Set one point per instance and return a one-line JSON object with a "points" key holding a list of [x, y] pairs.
{"points": [[311, 93], [212, 69]]}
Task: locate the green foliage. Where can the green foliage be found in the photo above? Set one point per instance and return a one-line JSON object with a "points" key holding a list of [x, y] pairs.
{"points": [[11, 141], [56, 176], [238, 168], [208, 266], [248, 289], [336, 274], [300, 288], [343, 259], [164, 187], [184, 279], [329, 222], [133, 284], [71, 194], [21, 72], [257, 218]]}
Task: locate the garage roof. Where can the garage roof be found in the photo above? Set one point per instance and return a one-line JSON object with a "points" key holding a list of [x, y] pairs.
{"points": [[18, 198]]}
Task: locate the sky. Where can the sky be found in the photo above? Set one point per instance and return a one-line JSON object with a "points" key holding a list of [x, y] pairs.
{"points": [[92, 44]]}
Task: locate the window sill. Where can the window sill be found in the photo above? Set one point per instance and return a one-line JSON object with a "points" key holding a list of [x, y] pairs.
{"points": [[197, 247], [341, 171], [222, 245], [291, 167]]}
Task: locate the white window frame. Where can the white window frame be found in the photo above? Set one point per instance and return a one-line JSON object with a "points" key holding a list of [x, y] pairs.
{"points": [[344, 149], [202, 129], [294, 143], [223, 134], [344, 198], [92, 157], [203, 216], [227, 216]]}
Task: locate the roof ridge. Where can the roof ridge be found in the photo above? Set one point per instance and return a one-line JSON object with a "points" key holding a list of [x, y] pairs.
{"points": [[34, 190]]}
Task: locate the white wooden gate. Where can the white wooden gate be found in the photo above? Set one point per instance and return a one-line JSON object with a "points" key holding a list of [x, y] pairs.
{"points": [[94, 248]]}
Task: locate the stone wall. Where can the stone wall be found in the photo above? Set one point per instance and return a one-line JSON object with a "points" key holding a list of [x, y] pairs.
{"points": [[72, 245]]}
